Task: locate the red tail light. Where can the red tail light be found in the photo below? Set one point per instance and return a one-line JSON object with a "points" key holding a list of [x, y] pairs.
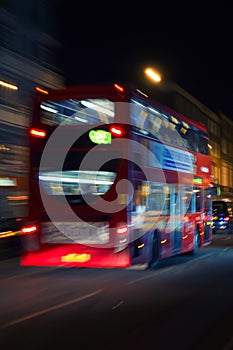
{"points": [[37, 133], [43, 91], [122, 230], [26, 230], [118, 87], [117, 131]]}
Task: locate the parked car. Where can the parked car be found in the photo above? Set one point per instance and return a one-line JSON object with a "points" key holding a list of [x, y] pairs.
{"points": [[222, 216]]}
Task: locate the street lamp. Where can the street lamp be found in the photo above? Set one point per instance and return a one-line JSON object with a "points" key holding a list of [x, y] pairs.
{"points": [[153, 74], [161, 89]]}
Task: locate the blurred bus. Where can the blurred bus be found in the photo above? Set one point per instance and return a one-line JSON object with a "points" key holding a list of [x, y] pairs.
{"points": [[116, 180]]}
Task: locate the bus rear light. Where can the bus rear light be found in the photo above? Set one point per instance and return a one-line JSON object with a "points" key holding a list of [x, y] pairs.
{"points": [[119, 87], [29, 229], [116, 131], [37, 133], [122, 230], [37, 88]]}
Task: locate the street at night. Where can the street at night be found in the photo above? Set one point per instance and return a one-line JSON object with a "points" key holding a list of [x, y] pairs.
{"points": [[116, 164], [186, 303]]}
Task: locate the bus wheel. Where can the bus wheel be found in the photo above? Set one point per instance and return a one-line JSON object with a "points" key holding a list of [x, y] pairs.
{"points": [[155, 254], [196, 242]]}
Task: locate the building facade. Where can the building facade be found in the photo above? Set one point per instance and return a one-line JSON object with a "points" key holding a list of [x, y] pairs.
{"points": [[29, 53]]}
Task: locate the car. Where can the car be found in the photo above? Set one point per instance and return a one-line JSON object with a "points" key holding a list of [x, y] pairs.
{"points": [[222, 216]]}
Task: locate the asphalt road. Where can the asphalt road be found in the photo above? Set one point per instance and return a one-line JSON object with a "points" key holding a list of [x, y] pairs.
{"points": [[185, 303]]}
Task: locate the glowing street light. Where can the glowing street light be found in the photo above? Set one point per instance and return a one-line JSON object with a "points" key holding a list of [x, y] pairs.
{"points": [[153, 74]]}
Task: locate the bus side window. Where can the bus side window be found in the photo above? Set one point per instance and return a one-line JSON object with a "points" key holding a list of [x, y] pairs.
{"points": [[208, 201], [191, 140], [188, 199], [141, 197], [139, 116], [203, 145], [154, 124], [157, 200], [198, 199], [167, 193]]}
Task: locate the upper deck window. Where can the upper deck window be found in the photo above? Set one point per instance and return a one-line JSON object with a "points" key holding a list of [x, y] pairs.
{"points": [[78, 112], [151, 121]]}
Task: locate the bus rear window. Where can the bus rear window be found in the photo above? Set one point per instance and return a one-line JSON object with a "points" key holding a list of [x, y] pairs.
{"points": [[75, 184], [78, 184], [78, 112]]}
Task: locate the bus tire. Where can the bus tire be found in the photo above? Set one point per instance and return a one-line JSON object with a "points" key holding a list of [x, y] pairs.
{"points": [[155, 250], [196, 242]]}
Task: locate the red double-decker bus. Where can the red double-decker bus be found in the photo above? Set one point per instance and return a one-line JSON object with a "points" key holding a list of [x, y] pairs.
{"points": [[116, 180]]}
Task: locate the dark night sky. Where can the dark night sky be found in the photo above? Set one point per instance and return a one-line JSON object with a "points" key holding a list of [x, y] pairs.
{"points": [[189, 45]]}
